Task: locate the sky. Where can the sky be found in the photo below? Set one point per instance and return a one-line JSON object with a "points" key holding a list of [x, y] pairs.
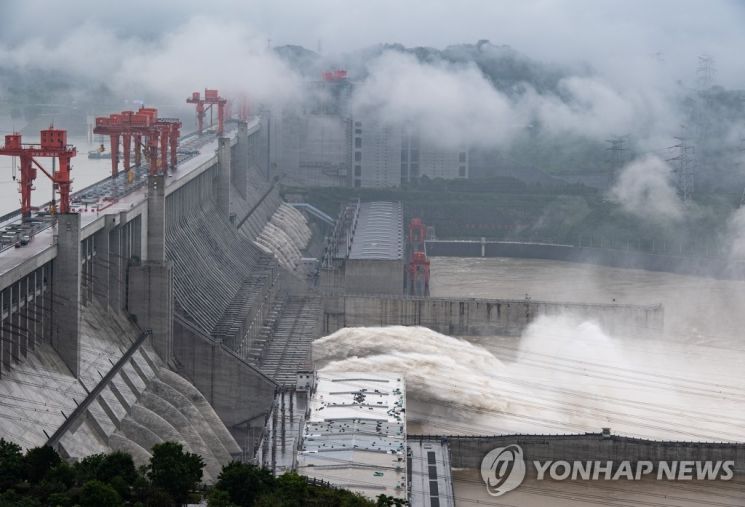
{"points": [[608, 34]]}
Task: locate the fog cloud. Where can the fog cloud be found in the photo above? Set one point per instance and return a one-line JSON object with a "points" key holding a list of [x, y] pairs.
{"points": [[457, 104], [202, 52], [592, 107], [644, 188], [616, 37], [638, 56], [445, 103]]}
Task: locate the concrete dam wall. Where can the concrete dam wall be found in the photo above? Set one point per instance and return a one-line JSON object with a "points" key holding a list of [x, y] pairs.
{"points": [[230, 304], [141, 404], [473, 317], [98, 311]]}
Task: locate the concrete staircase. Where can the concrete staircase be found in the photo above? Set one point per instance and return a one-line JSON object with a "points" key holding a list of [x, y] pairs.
{"points": [[289, 350]]}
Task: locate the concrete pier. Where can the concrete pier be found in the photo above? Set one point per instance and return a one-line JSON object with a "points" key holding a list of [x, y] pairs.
{"points": [[66, 292], [156, 218], [104, 263], [223, 177], [151, 303], [150, 297], [241, 157]]}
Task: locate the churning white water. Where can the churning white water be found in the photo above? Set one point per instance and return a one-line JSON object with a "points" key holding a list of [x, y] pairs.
{"points": [[433, 363], [562, 376], [285, 236]]}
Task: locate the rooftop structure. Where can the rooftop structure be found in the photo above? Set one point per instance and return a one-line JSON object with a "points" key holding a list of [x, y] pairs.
{"points": [[379, 234], [365, 252], [355, 433]]}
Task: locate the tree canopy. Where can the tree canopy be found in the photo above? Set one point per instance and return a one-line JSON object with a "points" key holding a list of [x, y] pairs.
{"points": [[39, 477]]}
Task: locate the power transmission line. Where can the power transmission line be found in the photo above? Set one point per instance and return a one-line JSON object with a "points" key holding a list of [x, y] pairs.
{"points": [[684, 167], [618, 158], [705, 72]]}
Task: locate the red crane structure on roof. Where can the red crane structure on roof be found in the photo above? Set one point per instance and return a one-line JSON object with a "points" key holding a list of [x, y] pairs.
{"points": [[334, 75], [53, 145], [146, 130], [204, 104]]}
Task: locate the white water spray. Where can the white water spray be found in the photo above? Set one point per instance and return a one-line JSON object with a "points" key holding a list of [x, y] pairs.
{"points": [[285, 236], [565, 375]]}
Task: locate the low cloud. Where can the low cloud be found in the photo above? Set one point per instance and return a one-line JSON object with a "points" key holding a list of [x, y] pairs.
{"points": [[592, 107], [446, 103], [200, 53], [645, 189], [206, 53], [456, 104]]}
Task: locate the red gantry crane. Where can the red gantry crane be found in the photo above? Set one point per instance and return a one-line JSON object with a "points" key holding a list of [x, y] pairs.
{"points": [[169, 131], [147, 131], [419, 274], [334, 75], [418, 262], [53, 145], [417, 234], [211, 98]]}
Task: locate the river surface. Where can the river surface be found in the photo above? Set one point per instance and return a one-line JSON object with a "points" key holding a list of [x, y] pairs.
{"points": [[698, 310], [567, 374]]}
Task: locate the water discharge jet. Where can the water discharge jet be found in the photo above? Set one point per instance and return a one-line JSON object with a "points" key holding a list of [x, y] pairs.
{"points": [[564, 375]]}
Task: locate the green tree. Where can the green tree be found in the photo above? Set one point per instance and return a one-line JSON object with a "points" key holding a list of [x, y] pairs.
{"points": [[87, 468], [293, 489], [11, 464], [55, 485], [244, 483], [121, 486], [98, 494], [175, 471], [156, 497], [60, 500], [13, 499], [390, 501], [63, 474], [219, 498], [117, 464], [39, 461]]}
